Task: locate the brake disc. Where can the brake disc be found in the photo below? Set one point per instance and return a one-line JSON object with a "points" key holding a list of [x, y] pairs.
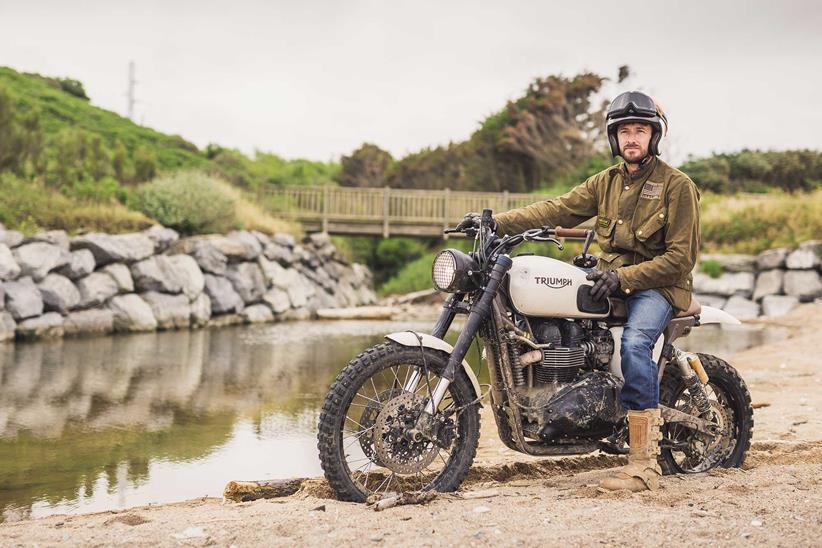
{"points": [[394, 450]]}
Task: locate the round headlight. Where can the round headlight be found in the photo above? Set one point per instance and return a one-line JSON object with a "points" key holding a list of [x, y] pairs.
{"points": [[444, 270]]}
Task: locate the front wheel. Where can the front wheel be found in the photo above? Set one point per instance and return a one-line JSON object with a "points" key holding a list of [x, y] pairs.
{"points": [[688, 451], [363, 428]]}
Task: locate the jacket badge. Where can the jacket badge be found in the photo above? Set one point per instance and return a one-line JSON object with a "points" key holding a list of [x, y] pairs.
{"points": [[652, 191]]}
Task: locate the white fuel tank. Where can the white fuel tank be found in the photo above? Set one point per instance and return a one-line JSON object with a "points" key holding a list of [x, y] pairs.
{"points": [[541, 286]]}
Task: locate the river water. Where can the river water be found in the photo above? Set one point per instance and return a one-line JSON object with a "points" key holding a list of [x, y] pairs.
{"points": [[112, 422]]}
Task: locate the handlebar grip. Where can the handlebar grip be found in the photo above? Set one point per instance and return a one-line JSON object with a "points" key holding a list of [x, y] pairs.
{"points": [[570, 232]]}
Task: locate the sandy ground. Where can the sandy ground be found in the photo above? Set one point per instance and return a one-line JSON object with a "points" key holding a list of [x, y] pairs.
{"points": [[508, 498]]}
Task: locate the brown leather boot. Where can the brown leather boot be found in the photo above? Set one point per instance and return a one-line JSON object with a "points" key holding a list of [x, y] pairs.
{"points": [[642, 471]]}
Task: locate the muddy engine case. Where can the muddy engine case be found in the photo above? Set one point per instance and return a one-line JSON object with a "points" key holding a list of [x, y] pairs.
{"points": [[587, 408]]}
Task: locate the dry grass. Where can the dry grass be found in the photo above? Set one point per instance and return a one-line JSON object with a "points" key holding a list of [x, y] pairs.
{"points": [[252, 217]]}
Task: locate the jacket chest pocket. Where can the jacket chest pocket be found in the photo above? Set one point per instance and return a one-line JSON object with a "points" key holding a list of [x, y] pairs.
{"points": [[605, 231], [650, 232]]}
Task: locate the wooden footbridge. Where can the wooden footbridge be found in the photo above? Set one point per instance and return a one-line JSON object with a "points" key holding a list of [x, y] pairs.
{"points": [[383, 211]]}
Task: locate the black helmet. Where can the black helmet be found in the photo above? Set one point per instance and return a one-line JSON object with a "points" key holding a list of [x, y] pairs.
{"points": [[635, 106]]}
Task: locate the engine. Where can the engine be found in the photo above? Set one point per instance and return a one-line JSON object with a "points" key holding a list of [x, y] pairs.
{"points": [[564, 386]]}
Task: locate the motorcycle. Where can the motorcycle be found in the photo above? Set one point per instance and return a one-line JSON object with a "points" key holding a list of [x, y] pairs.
{"points": [[404, 414]]}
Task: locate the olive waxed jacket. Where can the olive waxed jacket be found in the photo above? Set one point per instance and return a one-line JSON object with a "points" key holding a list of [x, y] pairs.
{"points": [[647, 225]]}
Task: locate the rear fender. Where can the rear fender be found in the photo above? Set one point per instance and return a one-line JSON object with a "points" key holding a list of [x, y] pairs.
{"points": [[710, 314], [412, 338]]}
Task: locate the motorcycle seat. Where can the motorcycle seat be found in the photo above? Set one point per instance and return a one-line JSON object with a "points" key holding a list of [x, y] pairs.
{"points": [[619, 311]]}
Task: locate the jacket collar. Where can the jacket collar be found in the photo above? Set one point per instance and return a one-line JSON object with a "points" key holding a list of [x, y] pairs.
{"points": [[643, 172]]}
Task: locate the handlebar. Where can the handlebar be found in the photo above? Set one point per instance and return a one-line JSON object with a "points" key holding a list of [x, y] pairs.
{"points": [[560, 232]]}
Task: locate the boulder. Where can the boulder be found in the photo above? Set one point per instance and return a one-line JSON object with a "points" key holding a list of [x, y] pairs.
{"points": [[171, 311], [812, 245], [262, 238], [711, 300], [778, 305], [249, 241], [296, 314], [732, 262], [37, 259], [162, 237], [362, 275], [325, 300], [279, 253], [741, 308], [131, 313], [59, 294], [81, 263], [23, 299], [271, 270], [300, 291], [735, 283], [49, 325], [802, 259], [188, 274], [286, 278], [121, 276], [277, 299], [232, 249], [82, 322], [156, 274], [54, 237], [11, 238], [257, 313], [248, 281], [96, 288], [769, 282], [115, 248], [224, 320], [366, 296], [283, 239], [2, 298], [9, 269], [803, 284], [772, 258], [7, 327], [224, 298], [200, 310]]}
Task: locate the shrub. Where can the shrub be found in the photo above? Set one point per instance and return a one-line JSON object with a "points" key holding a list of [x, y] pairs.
{"points": [[414, 276], [711, 267], [189, 202]]}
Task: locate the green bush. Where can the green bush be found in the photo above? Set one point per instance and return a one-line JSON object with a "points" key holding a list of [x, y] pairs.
{"points": [[711, 267], [189, 202], [414, 276]]}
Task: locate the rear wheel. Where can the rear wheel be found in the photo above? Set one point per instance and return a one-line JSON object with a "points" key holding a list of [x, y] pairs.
{"points": [[363, 442], [688, 451]]}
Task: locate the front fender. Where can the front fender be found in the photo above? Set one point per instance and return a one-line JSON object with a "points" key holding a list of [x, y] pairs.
{"points": [[410, 338]]}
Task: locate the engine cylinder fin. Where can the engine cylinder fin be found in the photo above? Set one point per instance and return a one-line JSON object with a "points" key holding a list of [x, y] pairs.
{"points": [[560, 365]]}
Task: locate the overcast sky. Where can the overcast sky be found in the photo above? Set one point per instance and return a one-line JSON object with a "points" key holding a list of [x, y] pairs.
{"points": [[315, 79]]}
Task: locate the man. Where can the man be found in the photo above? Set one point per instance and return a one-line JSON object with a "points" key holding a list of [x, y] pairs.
{"points": [[647, 225]]}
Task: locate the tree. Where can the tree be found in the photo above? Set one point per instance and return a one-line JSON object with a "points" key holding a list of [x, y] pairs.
{"points": [[365, 167]]}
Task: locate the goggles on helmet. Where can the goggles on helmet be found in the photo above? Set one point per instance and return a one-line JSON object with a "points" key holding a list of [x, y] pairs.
{"points": [[632, 104]]}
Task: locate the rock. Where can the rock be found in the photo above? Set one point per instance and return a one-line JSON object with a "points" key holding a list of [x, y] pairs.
{"points": [[279, 253], [271, 270], [300, 291], [769, 282], [325, 300], [285, 240], [362, 275], [366, 296], [81, 263], [249, 241], [712, 300], [96, 288], [54, 237], [131, 313], [97, 321], [736, 283], [171, 311], [296, 314], [156, 274], [812, 245], [11, 238], [224, 298], [200, 310], [209, 258], [778, 305], [803, 284], [162, 237], [257, 313], [732, 262], [772, 258], [9, 269], [232, 249], [248, 281], [262, 238], [121, 276], [37, 259], [225, 320], [23, 299], [49, 325], [188, 274], [277, 299], [59, 294], [7, 327], [115, 248], [2, 298], [802, 259], [318, 239], [741, 308]]}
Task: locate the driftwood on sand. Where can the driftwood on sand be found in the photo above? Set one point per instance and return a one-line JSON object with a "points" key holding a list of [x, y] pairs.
{"points": [[400, 499], [243, 491]]}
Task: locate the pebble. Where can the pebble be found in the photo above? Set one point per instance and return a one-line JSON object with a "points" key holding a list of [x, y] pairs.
{"points": [[376, 537], [756, 522], [481, 509]]}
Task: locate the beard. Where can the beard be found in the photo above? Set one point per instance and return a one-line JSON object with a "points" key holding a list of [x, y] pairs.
{"points": [[634, 155]]}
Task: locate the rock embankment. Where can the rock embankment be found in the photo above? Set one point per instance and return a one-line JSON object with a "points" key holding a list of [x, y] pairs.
{"points": [[769, 284], [53, 285]]}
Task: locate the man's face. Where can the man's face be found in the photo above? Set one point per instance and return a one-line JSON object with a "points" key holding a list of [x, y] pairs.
{"points": [[634, 138]]}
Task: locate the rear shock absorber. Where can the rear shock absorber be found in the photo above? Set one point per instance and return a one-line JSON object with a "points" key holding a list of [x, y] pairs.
{"points": [[693, 381], [517, 371]]}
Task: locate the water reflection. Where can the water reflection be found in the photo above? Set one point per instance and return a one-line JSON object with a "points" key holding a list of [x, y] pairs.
{"points": [[93, 424]]}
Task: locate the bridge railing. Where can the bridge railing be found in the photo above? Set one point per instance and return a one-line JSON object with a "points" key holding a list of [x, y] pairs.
{"points": [[381, 208]]}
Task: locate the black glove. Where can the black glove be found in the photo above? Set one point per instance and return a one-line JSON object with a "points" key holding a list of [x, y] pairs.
{"points": [[472, 221], [605, 283]]}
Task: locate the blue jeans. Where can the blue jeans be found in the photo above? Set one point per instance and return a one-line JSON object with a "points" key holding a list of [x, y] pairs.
{"points": [[648, 314]]}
